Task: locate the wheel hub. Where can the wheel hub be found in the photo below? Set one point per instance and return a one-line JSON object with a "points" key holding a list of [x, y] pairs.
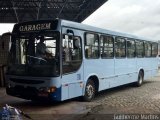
{"points": [[90, 90]]}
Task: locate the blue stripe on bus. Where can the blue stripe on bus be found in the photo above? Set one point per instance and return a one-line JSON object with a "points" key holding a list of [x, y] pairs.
{"points": [[56, 96]]}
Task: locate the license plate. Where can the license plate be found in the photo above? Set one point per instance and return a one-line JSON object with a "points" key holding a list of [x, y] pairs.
{"points": [[43, 94]]}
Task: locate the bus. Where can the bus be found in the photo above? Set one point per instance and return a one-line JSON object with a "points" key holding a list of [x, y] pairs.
{"points": [[76, 60], [4, 47]]}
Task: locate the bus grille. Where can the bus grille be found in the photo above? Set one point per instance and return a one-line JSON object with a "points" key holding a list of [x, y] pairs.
{"points": [[26, 81], [27, 93]]}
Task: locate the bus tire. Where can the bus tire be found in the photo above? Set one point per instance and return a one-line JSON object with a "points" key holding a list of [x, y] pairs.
{"points": [[140, 79], [90, 91]]}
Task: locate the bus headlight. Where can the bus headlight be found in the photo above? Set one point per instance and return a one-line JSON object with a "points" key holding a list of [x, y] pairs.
{"points": [[49, 90], [9, 85]]}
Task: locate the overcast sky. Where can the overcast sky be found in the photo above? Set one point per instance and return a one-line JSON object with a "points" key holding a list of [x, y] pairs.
{"points": [[138, 17], [5, 28]]}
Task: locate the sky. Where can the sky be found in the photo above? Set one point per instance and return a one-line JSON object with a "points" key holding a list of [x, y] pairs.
{"points": [[137, 17], [6, 28]]}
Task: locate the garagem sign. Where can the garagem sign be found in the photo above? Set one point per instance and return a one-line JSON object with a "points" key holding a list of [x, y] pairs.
{"points": [[35, 27]]}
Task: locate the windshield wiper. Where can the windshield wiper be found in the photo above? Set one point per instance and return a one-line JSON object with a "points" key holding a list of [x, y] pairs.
{"points": [[36, 58]]}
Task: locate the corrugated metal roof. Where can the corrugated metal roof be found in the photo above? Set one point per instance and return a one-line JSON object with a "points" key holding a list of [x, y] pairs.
{"points": [[13, 11]]}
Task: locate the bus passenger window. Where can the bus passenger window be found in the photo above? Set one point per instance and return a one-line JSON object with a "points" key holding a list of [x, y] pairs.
{"points": [[148, 50], [154, 49], [106, 43], [139, 49], [131, 48], [120, 47], [92, 46]]}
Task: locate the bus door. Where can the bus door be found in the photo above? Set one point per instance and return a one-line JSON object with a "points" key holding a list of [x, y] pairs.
{"points": [[72, 67]]}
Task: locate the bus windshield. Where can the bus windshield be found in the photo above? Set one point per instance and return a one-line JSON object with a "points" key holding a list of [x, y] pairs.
{"points": [[35, 54]]}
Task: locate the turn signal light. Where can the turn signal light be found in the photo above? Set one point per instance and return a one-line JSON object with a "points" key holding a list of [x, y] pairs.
{"points": [[52, 89]]}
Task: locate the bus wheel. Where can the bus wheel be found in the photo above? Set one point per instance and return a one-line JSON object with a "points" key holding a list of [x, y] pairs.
{"points": [[89, 91], [140, 79]]}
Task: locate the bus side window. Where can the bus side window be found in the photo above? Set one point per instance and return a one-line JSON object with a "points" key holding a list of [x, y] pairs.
{"points": [[148, 49], [154, 49], [139, 49], [106, 46], [120, 47], [131, 48], [91, 46], [71, 54]]}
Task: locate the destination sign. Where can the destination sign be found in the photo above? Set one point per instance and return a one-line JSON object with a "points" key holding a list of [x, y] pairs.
{"points": [[35, 27]]}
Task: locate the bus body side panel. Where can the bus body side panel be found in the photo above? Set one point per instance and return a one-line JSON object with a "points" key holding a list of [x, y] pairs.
{"points": [[102, 68], [106, 73], [155, 66], [124, 72], [131, 69], [143, 64], [149, 65], [71, 86], [72, 83]]}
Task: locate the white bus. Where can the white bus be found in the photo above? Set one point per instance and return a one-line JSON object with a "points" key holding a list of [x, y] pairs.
{"points": [[79, 60]]}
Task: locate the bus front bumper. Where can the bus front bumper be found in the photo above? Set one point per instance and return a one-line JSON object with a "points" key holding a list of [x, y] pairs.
{"points": [[31, 93]]}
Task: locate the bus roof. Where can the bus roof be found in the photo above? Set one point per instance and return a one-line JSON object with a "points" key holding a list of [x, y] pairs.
{"points": [[85, 27], [100, 30]]}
